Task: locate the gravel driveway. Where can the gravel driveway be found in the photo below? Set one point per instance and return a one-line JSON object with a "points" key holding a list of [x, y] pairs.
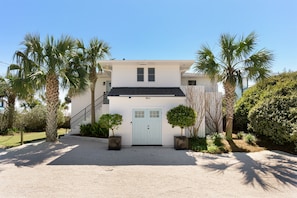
{"points": [[83, 167]]}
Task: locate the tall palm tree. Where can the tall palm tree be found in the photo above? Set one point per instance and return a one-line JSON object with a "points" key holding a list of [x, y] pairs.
{"points": [[91, 55], [49, 65], [235, 59], [11, 87]]}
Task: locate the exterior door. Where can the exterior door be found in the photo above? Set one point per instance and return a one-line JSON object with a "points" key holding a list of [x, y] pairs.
{"points": [[147, 127]]}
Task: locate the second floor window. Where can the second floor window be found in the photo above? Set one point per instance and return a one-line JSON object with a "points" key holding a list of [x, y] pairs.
{"points": [[151, 74], [140, 74], [192, 82]]}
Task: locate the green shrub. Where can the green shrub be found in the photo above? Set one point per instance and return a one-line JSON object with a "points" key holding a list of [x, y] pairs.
{"points": [[240, 134], [198, 144], [276, 118], [35, 119], [60, 118], [213, 149], [212, 144], [250, 139], [98, 131], [181, 116], [217, 139], [85, 129], [20, 121], [93, 130], [66, 123], [3, 124], [111, 121], [281, 85]]}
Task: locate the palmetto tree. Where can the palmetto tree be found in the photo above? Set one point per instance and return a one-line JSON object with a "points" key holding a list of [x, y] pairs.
{"points": [[236, 58], [7, 91], [50, 65], [11, 87], [91, 55]]}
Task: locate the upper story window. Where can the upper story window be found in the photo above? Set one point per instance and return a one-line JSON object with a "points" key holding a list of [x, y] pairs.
{"points": [[151, 74], [191, 82], [140, 74]]}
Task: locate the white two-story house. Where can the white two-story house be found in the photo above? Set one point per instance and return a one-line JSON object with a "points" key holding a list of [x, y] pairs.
{"points": [[143, 91]]}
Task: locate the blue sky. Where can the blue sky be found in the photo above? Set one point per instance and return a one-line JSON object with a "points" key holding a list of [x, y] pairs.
{"points": [[153, 29]]}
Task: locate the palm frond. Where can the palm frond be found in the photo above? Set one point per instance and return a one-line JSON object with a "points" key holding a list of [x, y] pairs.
{"points": [[258, 64], [206, 62], [228, 49], [246, 45]]}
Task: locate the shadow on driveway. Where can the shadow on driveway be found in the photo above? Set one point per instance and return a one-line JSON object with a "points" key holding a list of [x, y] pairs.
{"points": [[281, 167], [79, 151]]}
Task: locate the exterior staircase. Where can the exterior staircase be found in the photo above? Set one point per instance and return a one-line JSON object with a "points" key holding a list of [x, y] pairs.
{"points": [[84, 116]]}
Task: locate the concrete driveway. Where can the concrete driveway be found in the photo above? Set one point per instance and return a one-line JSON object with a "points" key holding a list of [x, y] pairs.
{"points": [[83, 167]]}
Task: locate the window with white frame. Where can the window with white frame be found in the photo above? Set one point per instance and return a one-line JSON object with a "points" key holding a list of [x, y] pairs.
{"points": [[151, 74], [140, 74]]}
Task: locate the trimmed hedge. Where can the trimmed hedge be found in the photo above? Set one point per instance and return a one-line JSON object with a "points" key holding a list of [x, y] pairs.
{"points": [[93, 130], [281, 85], [276, 118]]}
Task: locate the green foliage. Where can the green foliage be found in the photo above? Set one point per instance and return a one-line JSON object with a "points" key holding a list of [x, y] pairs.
{"points": [[198, 144], [66, 123], [250, 139], [276, 118], [240, 134], [34, 120], [213, 149], [211, 144], [111, 121], [13, 139], [217, 139], [93, 130], [281, 85], [60, 118], [181, 116], [85, 129], [3, 123]]}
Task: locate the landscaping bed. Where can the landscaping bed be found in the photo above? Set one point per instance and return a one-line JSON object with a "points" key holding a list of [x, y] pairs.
{"points": [[218, 144]]}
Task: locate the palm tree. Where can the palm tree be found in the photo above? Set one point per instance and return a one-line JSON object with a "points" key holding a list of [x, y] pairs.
{"points": [[235, 59], [11, 87], [91, 55], [50, 65]]}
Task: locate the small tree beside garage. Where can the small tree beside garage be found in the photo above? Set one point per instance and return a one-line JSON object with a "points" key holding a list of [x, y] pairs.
{"points": [[181, 116], [112, 121]]}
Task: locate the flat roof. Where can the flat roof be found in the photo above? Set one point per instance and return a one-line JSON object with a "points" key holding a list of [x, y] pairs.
{"points": [[184, 64]]}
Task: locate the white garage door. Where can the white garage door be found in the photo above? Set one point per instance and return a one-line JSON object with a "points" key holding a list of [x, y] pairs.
{"points": [[147, 127]]}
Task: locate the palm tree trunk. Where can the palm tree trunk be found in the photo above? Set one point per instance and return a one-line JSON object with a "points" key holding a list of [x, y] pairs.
{"points": [[93, 114], [11, 104], [230, 99], [52, 100], [93, 79]]}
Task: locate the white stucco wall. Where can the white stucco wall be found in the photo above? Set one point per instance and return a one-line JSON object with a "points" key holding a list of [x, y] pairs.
{"points": [[125, 105], [165, 75], [82, 100], [201, 80]]}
